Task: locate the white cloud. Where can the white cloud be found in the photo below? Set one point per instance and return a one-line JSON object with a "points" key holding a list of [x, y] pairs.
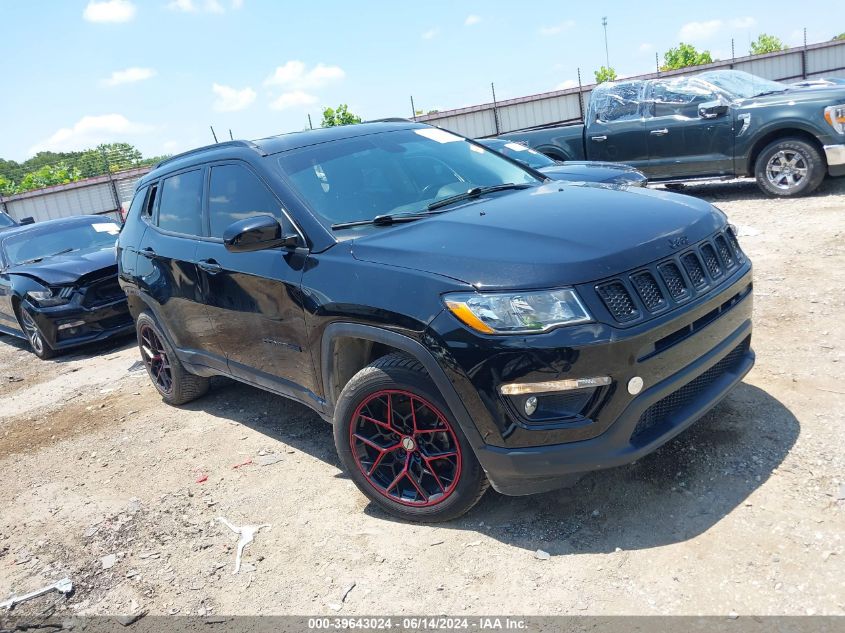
{"points": [[565, 85], [743, 23], [472, 19], [645, 47], [237, 4], [129, 75], [556, 29], [231, 99], [295, 74], [699, 31], [294, 99], [430, 34], [197, 6], [90, 131], [109, 11]]}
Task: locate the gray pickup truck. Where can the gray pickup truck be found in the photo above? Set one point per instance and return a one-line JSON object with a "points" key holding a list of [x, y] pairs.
{"points": [[718, 124]]}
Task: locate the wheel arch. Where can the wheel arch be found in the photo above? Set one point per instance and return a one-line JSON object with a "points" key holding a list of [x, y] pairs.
{"points": [[553, 152], [781, 133], [352, 337]]}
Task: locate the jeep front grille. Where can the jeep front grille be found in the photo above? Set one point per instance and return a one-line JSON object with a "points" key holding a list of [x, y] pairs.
{"points": [[641, 293]]}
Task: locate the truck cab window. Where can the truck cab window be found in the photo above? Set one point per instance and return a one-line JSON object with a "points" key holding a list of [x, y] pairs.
{"points": [[679, 97], [616, 102]]}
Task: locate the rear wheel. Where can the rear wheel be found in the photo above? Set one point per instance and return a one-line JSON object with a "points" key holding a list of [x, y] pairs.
{"points": [[33, 334], [175, 384], [401, 446], [789, 167]]}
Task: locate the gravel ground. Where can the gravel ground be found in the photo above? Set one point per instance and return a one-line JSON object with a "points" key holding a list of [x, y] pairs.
{"points": [[743, 513]]}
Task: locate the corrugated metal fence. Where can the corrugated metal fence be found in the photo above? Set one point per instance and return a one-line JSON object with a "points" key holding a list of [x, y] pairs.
{"points": [[566, 106], [98, 195]]}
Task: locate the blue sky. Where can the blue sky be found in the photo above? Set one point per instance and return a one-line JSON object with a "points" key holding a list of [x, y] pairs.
{"points": [[157, 73]]}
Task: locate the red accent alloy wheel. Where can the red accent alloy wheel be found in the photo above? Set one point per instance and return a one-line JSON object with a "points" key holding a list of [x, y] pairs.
{"points": [[155, 358], [406, 448]]}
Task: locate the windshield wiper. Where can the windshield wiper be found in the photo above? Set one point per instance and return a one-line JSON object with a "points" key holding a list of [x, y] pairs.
{"points": [[35, 260], [383, 220], [475, 192], [771, 92]]}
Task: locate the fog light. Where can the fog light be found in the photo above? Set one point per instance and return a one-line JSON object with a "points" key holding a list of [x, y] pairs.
{"points": [[635, 385], [71, 324], [530, 405]]}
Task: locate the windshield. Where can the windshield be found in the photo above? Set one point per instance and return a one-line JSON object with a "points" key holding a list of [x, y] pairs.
{"points": [[40, 243], [395, 172], [520, 152], [6, 221], [740, 84]]}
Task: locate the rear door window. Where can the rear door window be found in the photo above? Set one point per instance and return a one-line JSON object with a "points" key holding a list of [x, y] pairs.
{"points": [[180, 204], [616, 102], [235, 193]]}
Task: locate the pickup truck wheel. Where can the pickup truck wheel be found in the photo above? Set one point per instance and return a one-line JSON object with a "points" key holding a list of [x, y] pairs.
{"points": [[789, 167], [400, 445], [170, 378]]}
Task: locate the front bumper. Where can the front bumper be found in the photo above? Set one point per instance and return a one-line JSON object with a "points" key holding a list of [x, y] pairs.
{"points": [[708, 352], [648, 422], [835, 159], [71, 325]]}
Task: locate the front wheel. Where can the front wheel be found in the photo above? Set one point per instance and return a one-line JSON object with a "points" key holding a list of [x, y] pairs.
{"points": [[39, 346], [400, 445], [789, 167]]}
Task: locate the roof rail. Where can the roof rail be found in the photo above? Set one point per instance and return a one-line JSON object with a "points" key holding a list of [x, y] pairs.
{"points": [[391, 119], [206, 148]]}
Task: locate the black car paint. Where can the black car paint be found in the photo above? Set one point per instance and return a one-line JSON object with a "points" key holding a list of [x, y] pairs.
{"points": [[574, 170], [103, 319], [695, 147], [299, 321]]}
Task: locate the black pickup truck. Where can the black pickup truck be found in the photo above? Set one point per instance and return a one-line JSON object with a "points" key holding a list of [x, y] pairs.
{"points": [[722, 123]]}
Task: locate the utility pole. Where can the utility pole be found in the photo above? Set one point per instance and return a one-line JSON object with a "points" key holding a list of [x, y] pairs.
{"points": [[606, 54]]}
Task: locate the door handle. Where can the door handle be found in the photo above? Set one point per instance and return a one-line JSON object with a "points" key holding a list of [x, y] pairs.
{"points": [[599, 139], [660, 132], [210, 266], [148, 252]]}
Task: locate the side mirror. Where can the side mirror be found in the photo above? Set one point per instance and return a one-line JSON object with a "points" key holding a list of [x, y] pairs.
{"points": [[257, 233], [27, 220], [712, 109]]}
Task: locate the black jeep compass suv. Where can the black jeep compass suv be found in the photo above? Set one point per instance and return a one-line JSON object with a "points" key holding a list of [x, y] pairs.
{"points": [[457, 317]]}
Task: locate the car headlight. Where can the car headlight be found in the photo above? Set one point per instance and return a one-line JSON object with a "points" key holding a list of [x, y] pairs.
{"points": [[517, 312], [835, 115], [51, 297]]}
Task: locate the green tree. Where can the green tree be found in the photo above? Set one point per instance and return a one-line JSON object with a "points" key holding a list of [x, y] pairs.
{"points": [[59, 174], [684, 56], [7, 187], [841, 36], [766, 43], [340, 116], [604, 74]]}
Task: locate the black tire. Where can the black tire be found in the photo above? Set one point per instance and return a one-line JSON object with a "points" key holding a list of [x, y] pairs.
{"points": [[800, 162], [170, 378], [459, 478], [34, 337]]}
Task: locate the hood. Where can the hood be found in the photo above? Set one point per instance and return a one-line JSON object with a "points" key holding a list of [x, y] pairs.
{"points": [[593, 171], [70, 268], [548, 236], [826, 94]]}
